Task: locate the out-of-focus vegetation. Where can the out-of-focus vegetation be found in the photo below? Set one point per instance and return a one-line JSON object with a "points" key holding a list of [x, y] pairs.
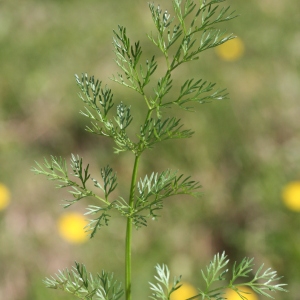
{"points": [[246, 151]]}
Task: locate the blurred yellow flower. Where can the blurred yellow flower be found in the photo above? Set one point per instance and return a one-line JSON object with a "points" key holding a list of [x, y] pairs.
{"points": [[291, 195], [184, 292], [71, 228], [231, 50], [4, 196], [245, 291]]}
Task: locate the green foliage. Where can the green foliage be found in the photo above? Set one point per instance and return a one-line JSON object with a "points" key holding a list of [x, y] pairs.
{"points": [[216, 272], [101, 102], [57, 170], [84, 285], [179, 43], [163, 288], [154, 189]]}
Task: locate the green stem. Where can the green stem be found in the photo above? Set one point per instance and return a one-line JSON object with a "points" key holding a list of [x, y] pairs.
{"points": [[129, 231]]}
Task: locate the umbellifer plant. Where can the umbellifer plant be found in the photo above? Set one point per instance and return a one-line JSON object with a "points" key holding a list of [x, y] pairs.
{"points": [[180, 39]]}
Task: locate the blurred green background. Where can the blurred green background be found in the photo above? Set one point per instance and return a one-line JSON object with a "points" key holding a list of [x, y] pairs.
{"points": [[244, 152]]}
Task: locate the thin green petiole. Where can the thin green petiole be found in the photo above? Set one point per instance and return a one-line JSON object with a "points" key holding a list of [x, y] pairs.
{"points": [[129, 231]]}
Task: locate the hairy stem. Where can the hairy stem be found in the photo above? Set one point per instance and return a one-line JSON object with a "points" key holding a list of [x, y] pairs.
{"points": [[129, 231]]}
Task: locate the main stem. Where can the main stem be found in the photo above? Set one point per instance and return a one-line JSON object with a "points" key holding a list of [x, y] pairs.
{"points": [[129, 231]]}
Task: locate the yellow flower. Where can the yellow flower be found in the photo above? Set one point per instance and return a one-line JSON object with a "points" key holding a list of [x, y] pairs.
{"points": [[291, 195], [4, 196], [231, 50], [244, 290], [71, 228], [184, 292]]}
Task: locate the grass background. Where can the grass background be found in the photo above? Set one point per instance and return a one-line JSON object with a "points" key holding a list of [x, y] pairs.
{"points": [[244, 152]]}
